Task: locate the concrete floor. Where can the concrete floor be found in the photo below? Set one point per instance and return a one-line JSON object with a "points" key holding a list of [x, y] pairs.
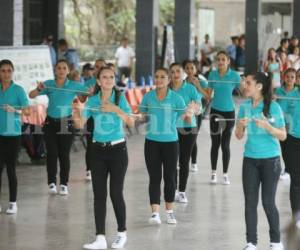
{"points": [[213, 219]]}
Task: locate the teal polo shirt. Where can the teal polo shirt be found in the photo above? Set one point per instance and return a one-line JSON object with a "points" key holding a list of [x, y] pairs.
{"points": [[162, 115], [203, 84], [261, 144], [91, 82], [107, 126], [286, 105], [223, 99], [10, 123], [60, 100], [189, 93], [295, 118]]}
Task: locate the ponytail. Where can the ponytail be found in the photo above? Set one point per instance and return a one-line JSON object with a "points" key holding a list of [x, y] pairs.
{"points": [[267, 91]]}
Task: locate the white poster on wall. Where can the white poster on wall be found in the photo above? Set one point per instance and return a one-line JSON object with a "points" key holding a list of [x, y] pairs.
{"points": [[32, 64]]}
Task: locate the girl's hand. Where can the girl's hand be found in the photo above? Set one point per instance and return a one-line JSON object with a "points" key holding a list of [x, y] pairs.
{"points": [[9, 108], [243, 123], [91, 91], [40, 86], [109, 107], [262, 123]]}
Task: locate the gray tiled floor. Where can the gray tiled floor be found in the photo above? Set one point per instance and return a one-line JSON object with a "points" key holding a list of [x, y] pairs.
{"points": [[213, 218]]}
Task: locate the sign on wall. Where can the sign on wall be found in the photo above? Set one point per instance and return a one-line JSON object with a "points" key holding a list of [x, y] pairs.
{"points": [[32, 64]]}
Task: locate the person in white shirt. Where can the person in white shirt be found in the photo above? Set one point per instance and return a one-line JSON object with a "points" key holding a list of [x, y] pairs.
{"points": [[124, 57], [295, 58]]}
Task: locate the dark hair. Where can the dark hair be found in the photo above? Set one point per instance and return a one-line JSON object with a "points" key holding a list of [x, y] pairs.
{"points": [[289, 70], [267, 91], [62, 42], [223, 52], [110, 65], [98, 88], [284, 40], [7, 62], [188, 61], [62, 61], [175, 64], [100, 60], [162, 69]]}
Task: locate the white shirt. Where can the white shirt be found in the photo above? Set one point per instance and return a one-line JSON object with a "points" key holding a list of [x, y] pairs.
{"points": [[124, 56], [206, 47], [295, 60]]}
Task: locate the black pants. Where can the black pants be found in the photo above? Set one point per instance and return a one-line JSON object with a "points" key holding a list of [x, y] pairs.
{"points": [[284, 153], [220, 133], [58, 135], [265, 172], [161, 158], [124, 71], [89, 140], [186, 138], [195, 148], [293, 163], [112, 161], [9, 148]]}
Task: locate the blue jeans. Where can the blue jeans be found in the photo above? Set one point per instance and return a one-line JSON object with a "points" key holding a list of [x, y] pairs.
{"points": [[265, 172]]}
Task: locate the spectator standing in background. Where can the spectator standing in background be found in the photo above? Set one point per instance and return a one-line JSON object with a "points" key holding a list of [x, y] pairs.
{"points": [[240, 53], [87, 72], [124, 57], [66, 53], [284, 45], [294, 58], [231, 50], [293, 43]]}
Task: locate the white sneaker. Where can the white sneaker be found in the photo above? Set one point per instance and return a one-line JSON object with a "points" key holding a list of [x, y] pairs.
{"points": [[155, 219], [120, 241], [182, 198], [63, 190], [250, 246], [0, 209], [52, 189], [194, 167], [12, 209], [276, 246], [88, 176], [170, 217], [226, 180], [214, 178], [284, 176], [176, 195], [99, 243]]}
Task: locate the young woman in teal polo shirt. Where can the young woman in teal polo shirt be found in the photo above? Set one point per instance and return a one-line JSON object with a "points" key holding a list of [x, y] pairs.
{"points": [[288, 89], [263, 120], [201, 85], [221, 84], [13, 102], [163, 106], [58, 127], [187, 132], [292, 153], [110, 110], [91, 83]]}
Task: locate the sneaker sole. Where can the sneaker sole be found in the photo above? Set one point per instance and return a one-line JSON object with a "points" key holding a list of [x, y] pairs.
{"points": [[152, 222], [89, 248], [171, 223]]}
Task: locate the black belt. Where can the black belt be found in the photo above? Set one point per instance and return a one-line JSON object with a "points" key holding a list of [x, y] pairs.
{"points": [[110, 143]]}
